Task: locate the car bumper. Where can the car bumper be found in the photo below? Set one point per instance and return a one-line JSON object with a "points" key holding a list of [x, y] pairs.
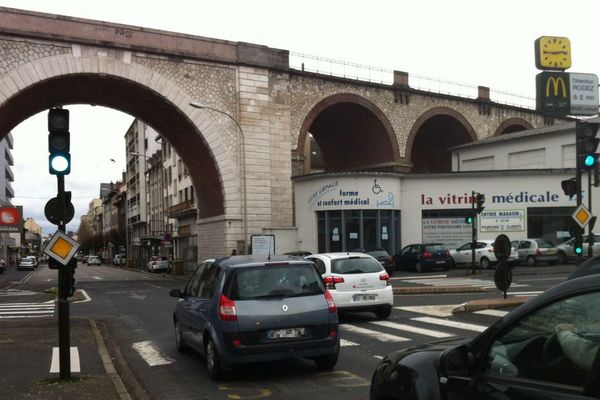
{"points": [[349, 300]]}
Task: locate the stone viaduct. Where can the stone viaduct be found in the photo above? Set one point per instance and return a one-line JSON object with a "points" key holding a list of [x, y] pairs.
{"points": [[292, 122]]}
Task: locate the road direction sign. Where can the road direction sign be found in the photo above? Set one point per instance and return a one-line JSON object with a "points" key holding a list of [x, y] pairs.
{"points": [[582, 216], [584, 94], [562, 93]]}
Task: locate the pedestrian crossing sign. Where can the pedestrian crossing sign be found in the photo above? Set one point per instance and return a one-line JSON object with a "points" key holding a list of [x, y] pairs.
{"points": [[61, 248]]}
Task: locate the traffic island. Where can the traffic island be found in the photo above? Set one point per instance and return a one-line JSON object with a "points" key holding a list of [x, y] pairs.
{"points": [[495, 303], [439, 289]]}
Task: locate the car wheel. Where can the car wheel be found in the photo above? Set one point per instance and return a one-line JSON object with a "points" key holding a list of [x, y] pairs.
{"points": [[562, 258], [179, 343], [531, 261], [383, 312], [326, 362], [484, 263], [419, 267], [212, 361]]}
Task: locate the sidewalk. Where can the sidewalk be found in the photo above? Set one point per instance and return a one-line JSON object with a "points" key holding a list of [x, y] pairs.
{"points": [[26, 348]]}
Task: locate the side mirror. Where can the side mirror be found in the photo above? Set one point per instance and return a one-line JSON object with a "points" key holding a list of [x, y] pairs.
{"points": [[456, 360], [175, 293]]}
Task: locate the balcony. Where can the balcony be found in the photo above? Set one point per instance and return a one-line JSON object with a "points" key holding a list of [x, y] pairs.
{"points": [[8, 174], [187, 208], [8, 157]]}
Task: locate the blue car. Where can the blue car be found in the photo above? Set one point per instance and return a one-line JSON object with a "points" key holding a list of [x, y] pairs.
{"points": [[246, 309]]}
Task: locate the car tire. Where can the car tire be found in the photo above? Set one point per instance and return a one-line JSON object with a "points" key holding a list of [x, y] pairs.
{"points": [[419, 267], [179, 342], [484, 263], [383, 312], [531, 261], [326, 362], [562, 258], [213, 364]]}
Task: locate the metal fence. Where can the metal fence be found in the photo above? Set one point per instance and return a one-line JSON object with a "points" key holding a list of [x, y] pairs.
{"points": [[367, 73]]}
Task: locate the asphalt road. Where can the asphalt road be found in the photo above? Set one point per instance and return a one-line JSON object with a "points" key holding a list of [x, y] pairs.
{"points": [[134, 312]]}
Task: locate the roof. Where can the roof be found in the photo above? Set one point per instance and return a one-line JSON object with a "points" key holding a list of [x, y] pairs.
{"points": [[341, 254], [255, 260]]}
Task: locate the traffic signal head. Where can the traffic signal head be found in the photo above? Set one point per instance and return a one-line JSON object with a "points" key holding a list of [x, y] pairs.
{"points": [[569, 187], [587, 143], [469, 219], [578, 245], [59, 160], [480, 199]]}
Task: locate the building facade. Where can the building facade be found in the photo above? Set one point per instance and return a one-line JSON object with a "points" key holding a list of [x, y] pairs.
{"points": [[8, 242]]}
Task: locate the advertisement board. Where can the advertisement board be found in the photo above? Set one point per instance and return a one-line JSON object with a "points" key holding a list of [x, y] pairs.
{"points": [[11, 219], [450, 231]]}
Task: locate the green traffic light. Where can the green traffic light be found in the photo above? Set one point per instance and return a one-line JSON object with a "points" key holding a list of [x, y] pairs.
{"points": [[589, 160], [469, 220], [578, 250]]}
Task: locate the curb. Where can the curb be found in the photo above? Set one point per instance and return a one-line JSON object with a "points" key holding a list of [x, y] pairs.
{"points": [[438, 289], [487, 304]]}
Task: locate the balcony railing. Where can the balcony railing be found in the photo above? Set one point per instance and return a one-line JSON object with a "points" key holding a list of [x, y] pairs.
{"points": [[181, 209]]}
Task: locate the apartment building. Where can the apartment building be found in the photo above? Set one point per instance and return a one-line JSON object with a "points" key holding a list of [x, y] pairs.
{"points": [[7, 240]]}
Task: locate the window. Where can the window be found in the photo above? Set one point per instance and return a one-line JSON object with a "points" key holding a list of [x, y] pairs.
{"points": [[209, 281], [557, 344], [355, 265], [193, 284]]}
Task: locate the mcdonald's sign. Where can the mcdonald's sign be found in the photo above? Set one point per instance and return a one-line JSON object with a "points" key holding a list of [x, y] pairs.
{"points": [[561, 93]]}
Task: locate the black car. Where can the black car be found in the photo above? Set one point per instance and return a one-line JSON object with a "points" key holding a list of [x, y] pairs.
{"points": [[545, 349], [381, 255], [423, 256]]}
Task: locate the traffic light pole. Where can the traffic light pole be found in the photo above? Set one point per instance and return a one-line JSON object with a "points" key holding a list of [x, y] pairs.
{"points": [[473, 234], [64, 332], [590, 224]]}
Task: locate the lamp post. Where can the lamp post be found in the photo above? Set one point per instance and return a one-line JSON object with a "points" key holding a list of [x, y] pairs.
{"points": [[242, 167]]}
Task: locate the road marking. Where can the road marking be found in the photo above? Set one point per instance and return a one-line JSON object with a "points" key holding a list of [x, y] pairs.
{"points": [[420, 277], [347, 343], [443, 311], [493, 313], [98, 278], [150, 353], [87, 298], [26, 310], [154, 286], [382, 337], [452, 324], [526, 293], [378, 357], [413, 329], [55, 364]]}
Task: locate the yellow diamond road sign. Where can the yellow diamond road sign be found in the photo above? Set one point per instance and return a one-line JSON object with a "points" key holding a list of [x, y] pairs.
{"points": [[61, 247], [582, 216]]}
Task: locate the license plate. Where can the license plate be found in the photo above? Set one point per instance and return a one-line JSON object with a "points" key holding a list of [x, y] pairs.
{"points": [[364, 297], [286, 333], [440, 262]]}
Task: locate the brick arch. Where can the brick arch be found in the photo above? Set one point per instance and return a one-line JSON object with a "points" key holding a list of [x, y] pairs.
{"points": [[430, 115], [130, 88], [512, 122], [341, 98]]}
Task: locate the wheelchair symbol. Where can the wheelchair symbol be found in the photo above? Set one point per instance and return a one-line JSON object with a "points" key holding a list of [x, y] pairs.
{"points": [[376, 188]]}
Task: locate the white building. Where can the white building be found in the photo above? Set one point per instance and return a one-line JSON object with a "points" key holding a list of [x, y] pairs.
{"points": [[7, 193]]}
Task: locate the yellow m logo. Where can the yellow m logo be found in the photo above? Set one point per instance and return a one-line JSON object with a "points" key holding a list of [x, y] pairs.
{"points": [[555, 82]]}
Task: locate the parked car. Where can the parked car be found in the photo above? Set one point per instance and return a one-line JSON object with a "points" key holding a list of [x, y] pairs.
{"points": [[85, 259], [534, 251], [246, 309], [531, 353], [423, 256], [119, 259], [382, 256], [27, 262], [484, 254], [357, 282], [3, 266], [566, 253], [94, 260], [158, 263]]}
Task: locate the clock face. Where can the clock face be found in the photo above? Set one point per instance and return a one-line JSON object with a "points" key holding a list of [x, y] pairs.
{"points": [[553, 53]]}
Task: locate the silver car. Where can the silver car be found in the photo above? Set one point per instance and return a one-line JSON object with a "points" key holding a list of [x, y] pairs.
{"points": [[484, 254], [566, 253], [534, 251]]}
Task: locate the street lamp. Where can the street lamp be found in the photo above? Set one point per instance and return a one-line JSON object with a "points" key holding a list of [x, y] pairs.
{"points": [[242, 167]]}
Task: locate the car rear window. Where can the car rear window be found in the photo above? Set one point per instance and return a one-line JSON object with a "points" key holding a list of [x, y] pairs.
{"points": [[290, 280], [543, 244], [355, 265], [433, 248]]}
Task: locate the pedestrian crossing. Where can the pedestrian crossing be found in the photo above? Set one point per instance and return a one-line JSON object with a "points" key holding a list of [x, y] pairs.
{"points": [[442, 280], [26, 310]]}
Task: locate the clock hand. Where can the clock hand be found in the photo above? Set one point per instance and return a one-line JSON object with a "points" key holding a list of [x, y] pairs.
{"points": [[555, 52]]}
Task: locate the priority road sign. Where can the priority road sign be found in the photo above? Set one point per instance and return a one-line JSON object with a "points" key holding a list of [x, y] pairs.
{"points": [[61, 247], [582, 216]]}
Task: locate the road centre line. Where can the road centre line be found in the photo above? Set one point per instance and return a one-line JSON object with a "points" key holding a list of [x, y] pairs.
{"points": [[413, 329], [382, 337], [452, 324]]}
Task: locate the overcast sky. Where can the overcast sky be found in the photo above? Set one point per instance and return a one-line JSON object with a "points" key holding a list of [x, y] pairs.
{"points": [[470, 42]]}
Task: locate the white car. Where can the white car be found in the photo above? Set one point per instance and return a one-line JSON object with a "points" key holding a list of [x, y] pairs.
{"points": [[356, 281], [158, 263], [93, 260], [484, 254]]}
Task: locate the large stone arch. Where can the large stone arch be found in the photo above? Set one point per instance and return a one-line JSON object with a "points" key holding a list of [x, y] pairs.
{"points": [[389, 151], [431, 115], [136, 90], [512, 125]]}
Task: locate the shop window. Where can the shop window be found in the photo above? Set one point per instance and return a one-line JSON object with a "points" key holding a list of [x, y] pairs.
{"points": [[370, 230], [353, 229], [335, 226]]}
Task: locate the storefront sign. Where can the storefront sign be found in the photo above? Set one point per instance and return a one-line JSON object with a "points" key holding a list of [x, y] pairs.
{"points": [[465, 199], [10, 219], [452, 232], [502, 221], [374, 193]]}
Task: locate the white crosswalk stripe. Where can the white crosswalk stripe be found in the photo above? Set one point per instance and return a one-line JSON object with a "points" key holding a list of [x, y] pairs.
{"points": [[451, 324], [493, 313], [380, 336], [26, 310], [413, 329], [485, 283]]}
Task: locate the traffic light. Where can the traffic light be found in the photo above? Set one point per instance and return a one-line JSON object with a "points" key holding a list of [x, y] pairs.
{"points": [[59, 161], [469, 219], [569, 187], [480, 199], [587, 144], [578, 245]]}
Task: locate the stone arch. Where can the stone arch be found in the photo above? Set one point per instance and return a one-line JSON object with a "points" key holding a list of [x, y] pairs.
{"points": [[380, 154], [130, 88], [423, 131], [512, 125]]}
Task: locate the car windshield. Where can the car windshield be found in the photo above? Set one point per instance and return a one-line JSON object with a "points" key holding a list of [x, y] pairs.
{"points": [[355, 265], [544, 244], [264, 282]]}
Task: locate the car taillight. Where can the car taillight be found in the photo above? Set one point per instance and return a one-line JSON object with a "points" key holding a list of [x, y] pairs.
{"points": [[385, 277], [427, 254], [538, 252], [389, 260], [330, 303], [227, 309], [330, 281]]}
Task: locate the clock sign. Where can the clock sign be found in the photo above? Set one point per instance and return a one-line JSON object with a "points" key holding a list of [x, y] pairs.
{"points": [[553, 53]]}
